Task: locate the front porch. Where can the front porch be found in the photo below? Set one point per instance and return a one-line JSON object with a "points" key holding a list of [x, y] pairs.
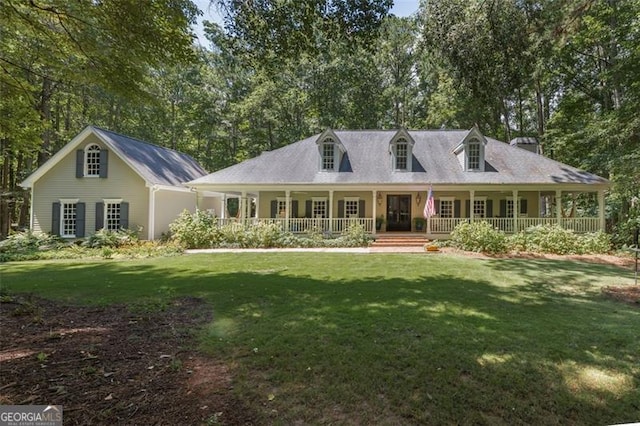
{"points": [[396, 210]]}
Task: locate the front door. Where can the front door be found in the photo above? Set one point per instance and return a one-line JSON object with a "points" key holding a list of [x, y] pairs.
{"points": [[398, 212]]}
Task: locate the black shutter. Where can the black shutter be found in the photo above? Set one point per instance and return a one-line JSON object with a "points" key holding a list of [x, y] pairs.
{"points": [[361, 208], [503, 208], [340, 208], [467, 207], [79, 163], [55, 219], [489, 208], [99, 216], [456, 208], [104, 163], [294, 208], [274, 208], [307, 206], [80, 220], [436, 205], [523, 206], [124, 215]]}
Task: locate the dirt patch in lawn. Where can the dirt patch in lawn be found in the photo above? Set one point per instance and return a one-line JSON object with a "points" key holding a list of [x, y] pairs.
{"points": [[109, 365], [627, 294]]}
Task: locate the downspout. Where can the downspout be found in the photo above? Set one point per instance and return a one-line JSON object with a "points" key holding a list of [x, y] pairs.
{"points": [[152, 212]]}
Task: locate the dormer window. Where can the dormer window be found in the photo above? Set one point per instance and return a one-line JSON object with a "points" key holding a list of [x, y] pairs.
{"points": [[331, 152], [401, 149], [328, 155], [92, 160], [471, 151], [401, 155], [473, 155]]}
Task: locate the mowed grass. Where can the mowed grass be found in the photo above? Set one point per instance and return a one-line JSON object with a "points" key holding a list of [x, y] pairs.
{"points": [[390, 338]]}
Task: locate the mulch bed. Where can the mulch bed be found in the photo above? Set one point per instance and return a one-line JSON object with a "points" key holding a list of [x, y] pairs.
{"points": [[109, 365]]}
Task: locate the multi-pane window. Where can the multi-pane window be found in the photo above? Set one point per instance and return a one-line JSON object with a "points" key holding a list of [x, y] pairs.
{"points": [[474, 156], [112, 215], [401, 154], [328, 155], [351, 207], [68, 219], [510, 207], [446, 208], [479, 208], [282, 207], [92, 160], [319, 208]]}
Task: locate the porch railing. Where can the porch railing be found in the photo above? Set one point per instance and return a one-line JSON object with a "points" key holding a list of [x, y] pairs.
{"points": [[438, 225], [306, 225]]}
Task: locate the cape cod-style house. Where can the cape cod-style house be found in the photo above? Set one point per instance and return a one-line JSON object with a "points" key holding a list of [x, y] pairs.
{"points": [[382, 177], [104, 180]]}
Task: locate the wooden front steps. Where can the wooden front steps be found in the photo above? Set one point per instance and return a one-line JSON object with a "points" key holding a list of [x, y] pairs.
{"points": [[399, 240]]}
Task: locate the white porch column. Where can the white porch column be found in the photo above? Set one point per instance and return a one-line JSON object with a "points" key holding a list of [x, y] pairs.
{"points": [[559, 207], [223, 208], [257, 199], [601, 210], [516, 210], [287, 208], [472, 200], [374, 210], [331, 211], [243, 206]]}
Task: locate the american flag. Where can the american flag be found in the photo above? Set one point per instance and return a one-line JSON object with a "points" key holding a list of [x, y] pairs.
{"points": [[429, 206]]}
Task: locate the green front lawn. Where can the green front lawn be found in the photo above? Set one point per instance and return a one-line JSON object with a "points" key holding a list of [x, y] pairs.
{"points": [[391, 339]]}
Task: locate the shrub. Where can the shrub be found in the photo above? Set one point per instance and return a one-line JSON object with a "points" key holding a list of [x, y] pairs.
{"points": [[27, 245], [195, 230], [112, 239], [557, 240], [479, 237]]}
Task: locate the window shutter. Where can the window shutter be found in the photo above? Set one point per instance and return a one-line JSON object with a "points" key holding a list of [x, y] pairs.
{"points": [[467, 207], [436, 205], [307, 207], [79, 163], [99, 216], [361, 208], [80, 220], [274, 208], [55, 219], [523, 206], [456, 208], [294, 208], [341, 208], [104, 163], [124, 215], [503, 208], [489, 208]]}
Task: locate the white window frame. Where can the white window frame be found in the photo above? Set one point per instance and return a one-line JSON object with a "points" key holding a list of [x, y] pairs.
{"points": [[281, 204], [316, 202], [351, 207], [442, 211], [402, 154], [328, 158], [107, 220], [475, 145], [63, 218], [479, 201], [510, 206], [92, 160]]}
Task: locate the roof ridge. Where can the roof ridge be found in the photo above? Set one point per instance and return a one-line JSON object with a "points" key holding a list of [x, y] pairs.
{"points": [[141, 141]]}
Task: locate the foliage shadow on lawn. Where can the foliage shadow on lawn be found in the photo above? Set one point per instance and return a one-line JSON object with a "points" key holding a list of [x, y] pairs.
{"points": [[435, 348]]}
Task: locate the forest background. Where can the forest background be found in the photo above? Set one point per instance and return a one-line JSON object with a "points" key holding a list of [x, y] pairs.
{"points": [[276, 71]]}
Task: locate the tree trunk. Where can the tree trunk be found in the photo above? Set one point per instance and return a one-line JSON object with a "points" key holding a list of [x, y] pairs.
{"points": [[44, 108]]}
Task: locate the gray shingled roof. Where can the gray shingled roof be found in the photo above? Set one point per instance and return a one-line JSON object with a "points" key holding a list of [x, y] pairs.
{"points": [[157, 165], [369, 162]]}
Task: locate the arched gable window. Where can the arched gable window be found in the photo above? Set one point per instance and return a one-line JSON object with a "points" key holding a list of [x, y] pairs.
{"points": [[92, 160]]}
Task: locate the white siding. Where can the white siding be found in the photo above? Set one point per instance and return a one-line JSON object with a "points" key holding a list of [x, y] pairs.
{"points": [[169, 204], [61, 182]]}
